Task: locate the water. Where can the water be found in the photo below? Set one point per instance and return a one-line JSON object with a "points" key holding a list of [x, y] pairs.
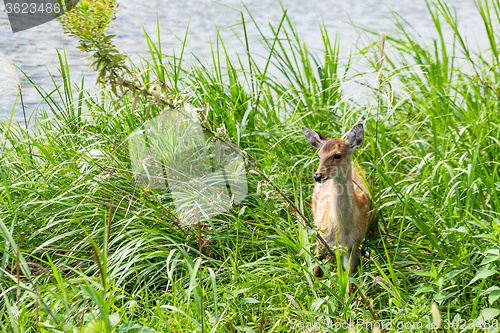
{"points": [[34, 50]]}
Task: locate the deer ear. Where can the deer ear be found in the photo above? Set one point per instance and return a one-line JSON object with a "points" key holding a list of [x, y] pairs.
{"points": [[315, 139], [355, 136]]}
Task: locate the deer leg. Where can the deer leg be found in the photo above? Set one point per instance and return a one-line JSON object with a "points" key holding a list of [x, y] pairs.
{"points": [[374, 233], [320, 255], [354, 254], [350, 261]]}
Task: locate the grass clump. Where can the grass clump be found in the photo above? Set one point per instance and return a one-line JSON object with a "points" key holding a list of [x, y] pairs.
{"points": [[85, 250]]}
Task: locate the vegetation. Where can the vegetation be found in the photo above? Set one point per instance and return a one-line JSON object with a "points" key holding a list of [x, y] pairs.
{"points": [[86, 250]]}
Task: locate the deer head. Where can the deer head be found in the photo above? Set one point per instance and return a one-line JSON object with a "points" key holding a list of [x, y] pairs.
{"points": [[334, 154]]}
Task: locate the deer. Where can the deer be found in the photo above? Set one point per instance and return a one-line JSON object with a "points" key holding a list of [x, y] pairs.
{"points": [[341, 202]]}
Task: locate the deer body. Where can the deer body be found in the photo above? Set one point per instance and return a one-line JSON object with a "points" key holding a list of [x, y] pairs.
{"points": [[340, 211], [340, 202]]}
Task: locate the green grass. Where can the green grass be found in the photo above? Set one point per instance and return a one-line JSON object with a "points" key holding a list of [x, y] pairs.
{"points": [[85, 250]]}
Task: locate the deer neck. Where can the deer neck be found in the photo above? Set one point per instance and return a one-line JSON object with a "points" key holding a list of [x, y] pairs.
{"points": [[343, 199]]}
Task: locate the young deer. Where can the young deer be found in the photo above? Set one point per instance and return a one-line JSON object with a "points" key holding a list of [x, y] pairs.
{"points": [[340, 202]]}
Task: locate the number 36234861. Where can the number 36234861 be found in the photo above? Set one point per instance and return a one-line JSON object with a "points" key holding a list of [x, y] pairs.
{"points": [[32, 8]]}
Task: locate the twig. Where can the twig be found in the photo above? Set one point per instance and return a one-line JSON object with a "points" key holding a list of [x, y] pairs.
{"points": [[109, 204], [367, 304]]}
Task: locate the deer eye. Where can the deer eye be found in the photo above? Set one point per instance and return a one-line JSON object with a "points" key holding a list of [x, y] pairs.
{"points": [[337, 156]]}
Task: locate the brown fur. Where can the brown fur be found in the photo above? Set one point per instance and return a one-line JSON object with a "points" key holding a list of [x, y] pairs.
{"points": [[340, 205]]}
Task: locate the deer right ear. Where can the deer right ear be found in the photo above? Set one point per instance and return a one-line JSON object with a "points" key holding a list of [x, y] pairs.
{"points": [[315, 139], [355, 136]]}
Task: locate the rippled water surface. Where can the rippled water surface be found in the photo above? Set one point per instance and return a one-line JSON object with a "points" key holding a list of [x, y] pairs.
{"points": [[34, 50]]}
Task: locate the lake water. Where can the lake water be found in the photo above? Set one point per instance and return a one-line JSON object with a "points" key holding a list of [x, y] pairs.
{"points": [[34, 50]]}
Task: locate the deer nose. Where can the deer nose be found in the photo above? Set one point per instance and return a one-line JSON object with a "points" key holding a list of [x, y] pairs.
{"points": [[318, 176]]}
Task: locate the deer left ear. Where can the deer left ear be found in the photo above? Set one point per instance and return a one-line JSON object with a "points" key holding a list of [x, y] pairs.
{"points": [[355, 136], [315, 139]]}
